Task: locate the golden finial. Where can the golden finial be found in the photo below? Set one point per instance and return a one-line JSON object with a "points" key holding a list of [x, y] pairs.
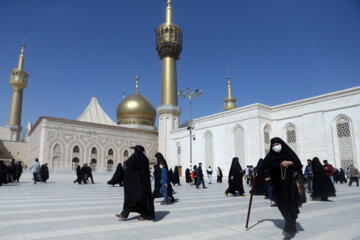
{"points": [[229, 102], [169, 13], [229, 83], [137, 83]]}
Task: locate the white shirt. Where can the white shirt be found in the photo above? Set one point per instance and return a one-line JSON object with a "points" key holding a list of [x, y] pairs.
{"points": [[35, 167]]}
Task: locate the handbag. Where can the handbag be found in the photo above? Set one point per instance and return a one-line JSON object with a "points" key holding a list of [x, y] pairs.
{"points": [[300, 183]]}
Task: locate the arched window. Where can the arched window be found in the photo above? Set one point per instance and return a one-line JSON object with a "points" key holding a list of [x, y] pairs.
{"points": [[56, 157], [75, 163], [345, 143], [57, 149], [209, 158], [76, 149], [109, 165], [110, 152], [239, 144], [126, 153], [291, 137], [93, 163], [178, 155], [267, 132], [94, 150]]}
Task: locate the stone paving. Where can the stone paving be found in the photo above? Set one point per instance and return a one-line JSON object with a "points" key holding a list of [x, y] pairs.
{"points": [[60, 209]]}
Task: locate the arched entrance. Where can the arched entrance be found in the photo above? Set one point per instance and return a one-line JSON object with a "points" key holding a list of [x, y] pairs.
{"points": [[93, 164], [75, 163], [109, 165]]}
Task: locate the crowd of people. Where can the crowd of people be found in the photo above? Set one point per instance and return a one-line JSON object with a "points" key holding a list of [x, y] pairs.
{"points": [[11, 172], [279, 177]]}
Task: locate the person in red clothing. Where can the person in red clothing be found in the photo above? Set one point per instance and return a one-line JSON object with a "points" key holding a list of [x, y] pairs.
{"points": [[329, 170]]}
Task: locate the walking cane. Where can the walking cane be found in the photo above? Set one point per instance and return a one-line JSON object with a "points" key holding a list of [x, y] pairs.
{"points": [[250, 201]]}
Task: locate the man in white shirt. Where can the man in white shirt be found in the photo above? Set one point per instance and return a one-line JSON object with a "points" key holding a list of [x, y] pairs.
{"points": [[35, 168]]}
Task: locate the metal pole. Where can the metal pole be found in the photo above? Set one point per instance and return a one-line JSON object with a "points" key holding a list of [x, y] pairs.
{"points": [[190, 128]]}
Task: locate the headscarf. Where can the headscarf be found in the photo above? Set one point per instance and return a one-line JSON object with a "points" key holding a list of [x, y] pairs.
{"points": [[322, 185]]}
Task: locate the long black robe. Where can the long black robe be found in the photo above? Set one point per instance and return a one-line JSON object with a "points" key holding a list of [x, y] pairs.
{"points": [[342, 176], [160, 159], [175, 178], [44, 173], [118, 177], [235, 178], [219, 176], [188, 176], [157, 178], [137, 185], [322, 185], [3, 173], [171, 176], [260, 184], [79, 175], [286, 194]]}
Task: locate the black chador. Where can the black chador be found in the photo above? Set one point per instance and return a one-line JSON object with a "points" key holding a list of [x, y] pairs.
{"points": [[235, 179], [118, 177], [3, 173], [188, 176], [44, 173], [260, 184], [322, 185], [160, 159], [157, 177], [137, 186], [79, 175], [286, 194], [171, 175], [176, 178], [219, 175]]}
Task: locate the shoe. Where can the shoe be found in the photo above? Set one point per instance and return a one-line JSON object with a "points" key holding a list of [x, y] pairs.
{"points": [[141, 218], [226, 195], [164, 203], [273, 205], [242, 195], [121, 216], [204, 187], [197, 187]]}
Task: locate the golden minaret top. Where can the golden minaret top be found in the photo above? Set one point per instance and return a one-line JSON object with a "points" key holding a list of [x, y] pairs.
{"points": [[137, 83], [229, 102], [169, 13]]}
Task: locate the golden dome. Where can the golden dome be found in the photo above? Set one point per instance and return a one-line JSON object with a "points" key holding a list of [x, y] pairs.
{"points": [[136, 109]]}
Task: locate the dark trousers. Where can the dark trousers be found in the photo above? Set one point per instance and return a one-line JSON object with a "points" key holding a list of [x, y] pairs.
{"points": [[35, 176], [219, 179], [354, 179], [199, 181]]}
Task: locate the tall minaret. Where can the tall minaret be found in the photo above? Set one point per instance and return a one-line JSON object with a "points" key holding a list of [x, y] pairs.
{"points": [[169, 46], [18, 80], [229, 102]]}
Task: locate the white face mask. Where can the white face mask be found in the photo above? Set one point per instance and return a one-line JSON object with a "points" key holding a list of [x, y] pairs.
{"points": [[161, 166], [277, 148]]}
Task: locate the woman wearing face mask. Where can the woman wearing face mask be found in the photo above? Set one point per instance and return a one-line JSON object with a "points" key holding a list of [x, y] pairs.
{"points": [[282, 164]]}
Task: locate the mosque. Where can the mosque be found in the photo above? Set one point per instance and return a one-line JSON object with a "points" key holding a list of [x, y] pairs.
{"points": [[326, 126]]}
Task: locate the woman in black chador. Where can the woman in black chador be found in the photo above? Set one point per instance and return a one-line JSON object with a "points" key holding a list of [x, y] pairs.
{"points": [[260, 184], [235, 179], [188, 176], [281, 163], [176, 179], [118, 177], [157, 178], [137, 187], [219, 175], [171, 176], [160, 159], [342, 176], [44, 173], [79, 175], [322, 185]]}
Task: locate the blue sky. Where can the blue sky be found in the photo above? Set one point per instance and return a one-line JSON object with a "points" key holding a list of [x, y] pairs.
{"points": [[279, 51]]}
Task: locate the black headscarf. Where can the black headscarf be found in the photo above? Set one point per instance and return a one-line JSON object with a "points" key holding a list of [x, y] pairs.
{"points": [[322, 185], [44, 173], [283, 180], [137, 186], [161, 160]]}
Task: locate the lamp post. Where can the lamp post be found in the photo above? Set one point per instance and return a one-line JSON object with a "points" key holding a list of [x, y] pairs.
{"points": [[190, 94]]}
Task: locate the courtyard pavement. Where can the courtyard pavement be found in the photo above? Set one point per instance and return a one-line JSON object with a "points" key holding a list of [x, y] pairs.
{"points": [[60, 209]]}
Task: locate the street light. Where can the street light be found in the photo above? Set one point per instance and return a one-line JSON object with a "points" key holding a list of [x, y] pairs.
{"points": [[190, 94]]}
